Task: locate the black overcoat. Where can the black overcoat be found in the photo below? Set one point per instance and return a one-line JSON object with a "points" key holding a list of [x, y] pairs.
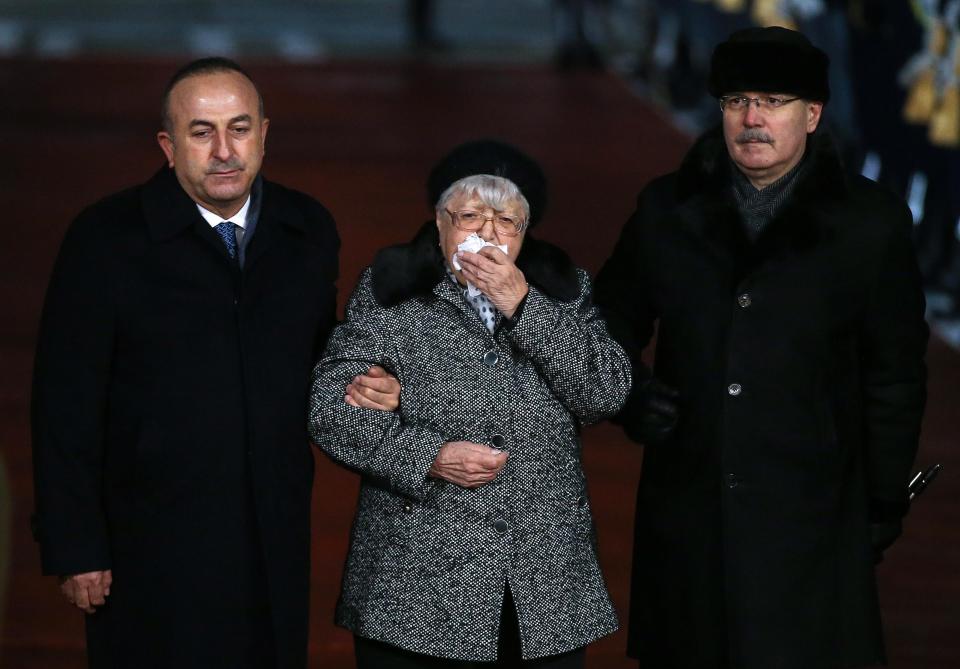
{"points": [[169, 418], [799, 362]]}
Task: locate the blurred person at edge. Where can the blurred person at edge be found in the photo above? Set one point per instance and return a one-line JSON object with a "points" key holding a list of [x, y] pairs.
{"points": [[782, 414], [473, 541], [171, 458]]}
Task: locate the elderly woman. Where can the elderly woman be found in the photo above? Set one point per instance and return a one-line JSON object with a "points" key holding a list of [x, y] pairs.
{"points": [[473, 539]]}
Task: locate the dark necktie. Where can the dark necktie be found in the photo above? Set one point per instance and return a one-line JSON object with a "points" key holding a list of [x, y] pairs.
{"points": [[228, 233]]}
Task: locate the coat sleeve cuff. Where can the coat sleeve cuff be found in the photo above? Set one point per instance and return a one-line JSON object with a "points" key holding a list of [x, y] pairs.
{"points": [[532, 323], [414, 450], [65, 558], [510, 322]]}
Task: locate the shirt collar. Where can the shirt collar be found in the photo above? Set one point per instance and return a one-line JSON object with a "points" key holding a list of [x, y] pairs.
{"points": [[239, 219]]}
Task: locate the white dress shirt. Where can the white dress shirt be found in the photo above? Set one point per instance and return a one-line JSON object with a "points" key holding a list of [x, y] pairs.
{"points": [[239, 219]]}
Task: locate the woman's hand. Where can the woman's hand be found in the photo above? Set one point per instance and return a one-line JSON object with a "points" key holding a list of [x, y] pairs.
{"points": [[468, 464], [492, 271]]}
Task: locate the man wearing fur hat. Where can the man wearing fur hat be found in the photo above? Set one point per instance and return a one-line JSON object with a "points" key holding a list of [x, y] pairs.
{"points": [[782, 413]]}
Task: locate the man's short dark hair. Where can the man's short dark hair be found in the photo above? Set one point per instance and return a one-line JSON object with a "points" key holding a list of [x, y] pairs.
{"points": [[212, 65]]}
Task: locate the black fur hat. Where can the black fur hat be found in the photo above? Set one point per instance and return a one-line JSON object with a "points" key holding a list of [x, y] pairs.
{"points": [[771, 59], [487, 156]]}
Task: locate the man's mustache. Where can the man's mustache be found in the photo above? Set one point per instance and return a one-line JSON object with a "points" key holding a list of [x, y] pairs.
{"points": [[753, 135], [224, 165]]}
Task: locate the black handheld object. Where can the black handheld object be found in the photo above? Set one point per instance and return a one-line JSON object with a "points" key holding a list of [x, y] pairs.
{"points": [[883, 534], [922, 479]]}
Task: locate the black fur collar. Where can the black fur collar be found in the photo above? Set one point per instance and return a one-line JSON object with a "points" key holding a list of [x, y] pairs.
{"points": [[410, 270], [706, 169], [808, 219]]}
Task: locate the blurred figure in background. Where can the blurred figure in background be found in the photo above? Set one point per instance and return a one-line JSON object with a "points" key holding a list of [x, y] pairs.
{"points": [[929, 118], [422, 26], [579, 24]]}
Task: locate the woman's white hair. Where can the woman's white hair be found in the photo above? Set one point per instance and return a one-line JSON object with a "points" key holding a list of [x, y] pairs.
{"points": [[493, 191]]}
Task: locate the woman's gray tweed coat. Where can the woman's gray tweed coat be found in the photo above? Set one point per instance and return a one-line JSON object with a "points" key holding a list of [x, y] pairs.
{"points": [[429, 560]]}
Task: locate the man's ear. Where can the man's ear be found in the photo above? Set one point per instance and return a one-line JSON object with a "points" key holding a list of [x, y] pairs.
{"points": [[166, 145], [814, 112]]}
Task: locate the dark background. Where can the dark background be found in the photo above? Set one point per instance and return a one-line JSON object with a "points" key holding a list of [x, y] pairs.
{"points": [[359, 111]]}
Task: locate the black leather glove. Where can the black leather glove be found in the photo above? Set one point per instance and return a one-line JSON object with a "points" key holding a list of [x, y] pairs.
{"points": [[882, 536], [651, 414]]}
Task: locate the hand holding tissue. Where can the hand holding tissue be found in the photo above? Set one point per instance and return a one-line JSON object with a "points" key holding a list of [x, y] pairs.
{"points": [[473, 244]]}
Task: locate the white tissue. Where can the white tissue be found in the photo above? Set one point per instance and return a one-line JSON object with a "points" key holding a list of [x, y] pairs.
{"points": [[473, 244]]}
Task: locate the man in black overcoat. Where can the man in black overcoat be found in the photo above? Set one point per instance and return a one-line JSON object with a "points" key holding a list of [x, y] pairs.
{"points": [[782, 414], [172, 463]]}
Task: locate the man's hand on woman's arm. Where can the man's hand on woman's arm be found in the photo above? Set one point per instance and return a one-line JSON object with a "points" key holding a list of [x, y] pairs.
{"points": [[377, 389]]}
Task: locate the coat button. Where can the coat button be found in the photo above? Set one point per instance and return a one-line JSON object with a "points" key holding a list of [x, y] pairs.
{"points": [[498, 441], [491, 358], [408, 507], [744, 300], [732, 481], [500, 525], [581, 501], [734, 389]]}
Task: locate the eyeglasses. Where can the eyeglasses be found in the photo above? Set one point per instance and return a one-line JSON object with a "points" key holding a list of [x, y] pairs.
{"points": [[470, 220], [738, 103]]}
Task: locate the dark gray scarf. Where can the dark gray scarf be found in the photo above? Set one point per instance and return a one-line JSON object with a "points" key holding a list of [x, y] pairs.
{"points": [[758, 207]]}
